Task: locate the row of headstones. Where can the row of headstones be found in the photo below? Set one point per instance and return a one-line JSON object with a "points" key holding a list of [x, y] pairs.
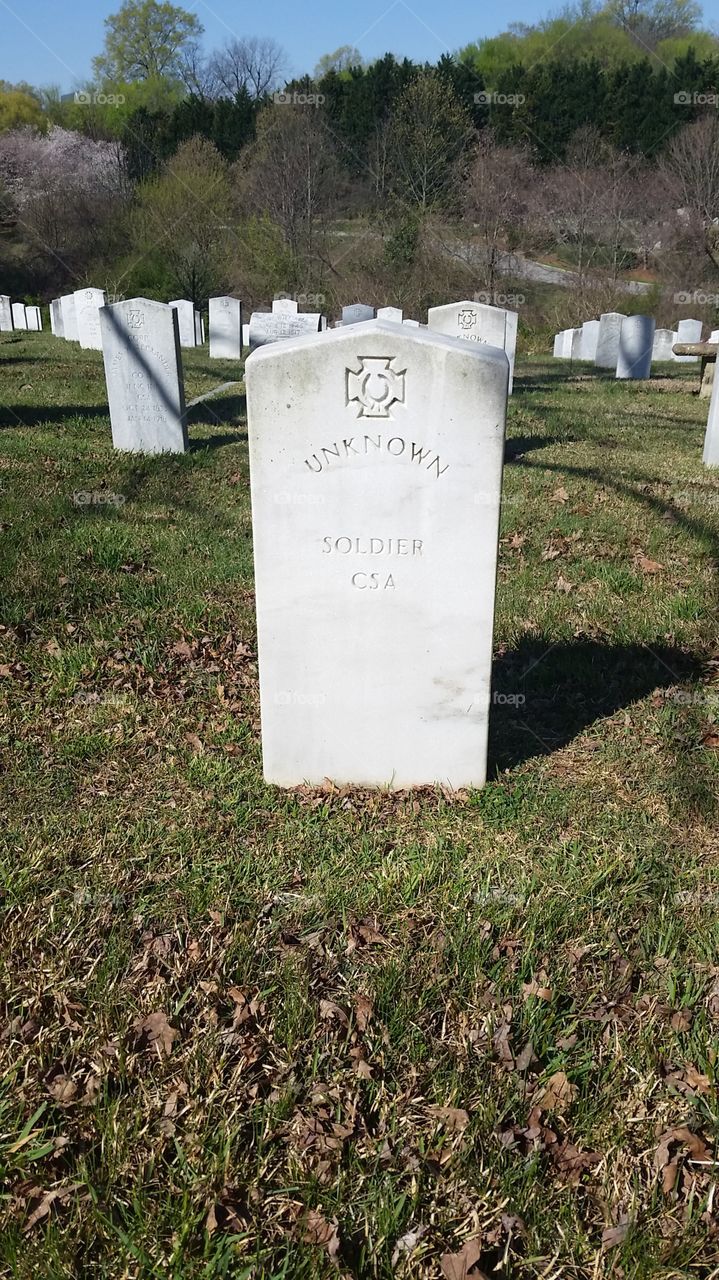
{"points": [[627, 344], [141, 343], [16, 315]]}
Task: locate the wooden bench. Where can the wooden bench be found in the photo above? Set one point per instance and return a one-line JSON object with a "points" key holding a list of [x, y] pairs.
{"points": [[707, 351]]}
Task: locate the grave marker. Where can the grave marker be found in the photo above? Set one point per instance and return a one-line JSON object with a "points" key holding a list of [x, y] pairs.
{"points": [[610, 327], [275, 326], [590, 338], [711, 439], [19, 316], [143, 370], [636, 339], [69, 317], [6, 324], [284, 307], [87, 311], [225, 328], [56, 318], [689, 331], [357, 313], [186, 321], [376, 464], [390, 313], [664, 340], [34, 318]]}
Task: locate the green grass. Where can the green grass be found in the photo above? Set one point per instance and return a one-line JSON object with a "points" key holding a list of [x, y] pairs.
{"points": [[336, 967]]}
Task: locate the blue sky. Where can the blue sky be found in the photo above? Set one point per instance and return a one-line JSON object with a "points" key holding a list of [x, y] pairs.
{"points": [[54, 41]]}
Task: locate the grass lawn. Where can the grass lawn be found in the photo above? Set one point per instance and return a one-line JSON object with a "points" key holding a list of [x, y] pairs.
{"points": [[267, 1034]]}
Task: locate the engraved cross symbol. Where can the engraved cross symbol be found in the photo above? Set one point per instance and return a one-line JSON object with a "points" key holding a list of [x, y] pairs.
{"points": [[135, 319], [375, 387], [467, 319]]}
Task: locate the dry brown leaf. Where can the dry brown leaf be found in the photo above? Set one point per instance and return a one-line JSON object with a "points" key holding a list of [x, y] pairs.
{"points": [[48, 1200], [331, 1012], [613, 1236], [155, 1032], [649, 566], [533, 988], [457, 1266], [454, 1119], [557, 1095], [560, 495], [563, 584], [364, 1008], [317, 1230]]}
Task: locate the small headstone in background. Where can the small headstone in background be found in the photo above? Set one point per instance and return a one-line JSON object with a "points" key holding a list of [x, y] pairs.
{"points": [[689, 331], [414, 324], [186, 321], [664, 340], [636, 339], [33, 316], [87, 312], [225, 328], [590, 338], [357, 313], [19, 317], [199, 329], [473, 321], [143, 369], [390, 313], [610, 327], [510, 343], [376, 464], [275, 326], [284, 306], [245, 335], [69, 317], [56, 318], [6, 324], [575, 344]]}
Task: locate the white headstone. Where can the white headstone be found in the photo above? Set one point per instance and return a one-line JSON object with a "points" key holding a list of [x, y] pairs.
{"points": [[225, 328], [414, 324], [390, 313], [714, 335], [590, 338], [199, 330], [575, 343], [69, 317], [284, 306], [558, 345], [610, 327], [6, 324], [275, 326], [376, 464], [567, 343], [56, 318], [711, 439], [33, 315], [186, 321], [689, 331], [664, 340], [636, 339], [87, 312], [473, 321], [357, 313], [143, 369], [19, 316], [245, 335]]}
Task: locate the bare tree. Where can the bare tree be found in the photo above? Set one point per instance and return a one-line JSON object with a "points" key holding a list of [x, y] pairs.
{"points": [[691, 170], [574, 194], [430, 134], [291, 175], [495, 201], [254, 63]]}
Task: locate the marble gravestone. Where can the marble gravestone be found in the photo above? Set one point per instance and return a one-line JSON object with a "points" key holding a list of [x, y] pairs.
{"points": [[636, 340], [199, 329], [19, 316], [275, 326], [610, 327], [357, 313], [664, 340], [33, 316], [473, 321], [376, 469], [284, 306], [574, 343], [390, 313], [225, 328], [87, 312], [69, 317], [245, 335], [711, 439], [186, 321], [6, 324], [590, 338], [414, 324], [56, 320], [689, 331], [143, 370], [510, 343]]}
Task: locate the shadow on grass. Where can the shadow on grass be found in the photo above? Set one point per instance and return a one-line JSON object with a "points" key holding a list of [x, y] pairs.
{"points": [[53, 415], [517, 446], [545, 694]]}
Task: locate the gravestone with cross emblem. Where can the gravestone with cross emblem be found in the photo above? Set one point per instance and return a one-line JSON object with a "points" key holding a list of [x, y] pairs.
{"points": [[87, 311], [376, 462], [143, 370], [225, 328]]}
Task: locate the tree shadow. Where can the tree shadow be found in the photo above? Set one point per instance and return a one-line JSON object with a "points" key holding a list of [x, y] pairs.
{"points": [[516, 446], [30, 416]]}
